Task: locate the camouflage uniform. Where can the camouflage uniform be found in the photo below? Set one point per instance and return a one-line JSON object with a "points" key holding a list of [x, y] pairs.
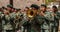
{"points": [[12, 19], [1, 21], [30, 23], [46, 26], [24, 22], [34, 24], [56, 21], [18, 20], [7, 26]]}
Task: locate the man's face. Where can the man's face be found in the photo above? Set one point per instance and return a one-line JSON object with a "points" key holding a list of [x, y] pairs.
{"points": [[35, 10], [42, 8], [53, 9], [8, 8], [26, 9], [13, 10]]}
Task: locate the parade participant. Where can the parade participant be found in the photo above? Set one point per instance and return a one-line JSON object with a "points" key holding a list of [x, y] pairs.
{"points": [[7, 25], [12, 18], [38, 20], [45, 27], [25, 18], [31, 21], [34, 24], [56, 19], [1, 19], [17, 19], [9, 8]]}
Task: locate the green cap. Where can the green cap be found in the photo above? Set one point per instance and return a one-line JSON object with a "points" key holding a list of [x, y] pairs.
{"points": [[10, 6], [35, 6]]}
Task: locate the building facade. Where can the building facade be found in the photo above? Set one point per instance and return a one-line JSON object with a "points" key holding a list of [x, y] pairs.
{"points": [[21, 3]]}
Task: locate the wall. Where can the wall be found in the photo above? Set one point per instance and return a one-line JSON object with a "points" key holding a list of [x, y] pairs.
{"points": [[20, 3], [4, 3], [23, 3]]}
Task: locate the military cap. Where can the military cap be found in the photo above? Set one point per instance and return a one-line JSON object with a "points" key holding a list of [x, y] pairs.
{"points": [[10, 6], [35, 6]]}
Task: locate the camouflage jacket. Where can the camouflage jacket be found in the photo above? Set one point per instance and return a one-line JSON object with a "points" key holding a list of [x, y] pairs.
{"points": [[7, 25], [57, 15], [48, 18]]}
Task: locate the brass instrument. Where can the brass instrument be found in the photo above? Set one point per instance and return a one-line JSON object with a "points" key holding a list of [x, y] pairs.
{"points": [[16, 20], [31, 14]]}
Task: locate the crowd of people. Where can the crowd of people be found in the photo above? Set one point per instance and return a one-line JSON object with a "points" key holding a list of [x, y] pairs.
{"points": [[32, 19]]}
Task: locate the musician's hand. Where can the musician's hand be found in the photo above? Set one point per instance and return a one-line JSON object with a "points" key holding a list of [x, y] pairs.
{"points": [[53, 14], [42, 14], [28, 19]]}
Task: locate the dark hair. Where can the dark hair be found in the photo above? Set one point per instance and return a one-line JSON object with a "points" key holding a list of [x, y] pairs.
{"points": [[44, 5], [18, 10], [3, 7], [55, 8], [27, 7]]}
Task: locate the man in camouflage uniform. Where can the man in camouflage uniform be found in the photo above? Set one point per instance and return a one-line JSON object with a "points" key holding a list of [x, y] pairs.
{"points": [[7, 27], [34, 24], [45, 27], [36, 21], [24, 21], [1, 19], [12, 18], [56, 19], [18, 19]]}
